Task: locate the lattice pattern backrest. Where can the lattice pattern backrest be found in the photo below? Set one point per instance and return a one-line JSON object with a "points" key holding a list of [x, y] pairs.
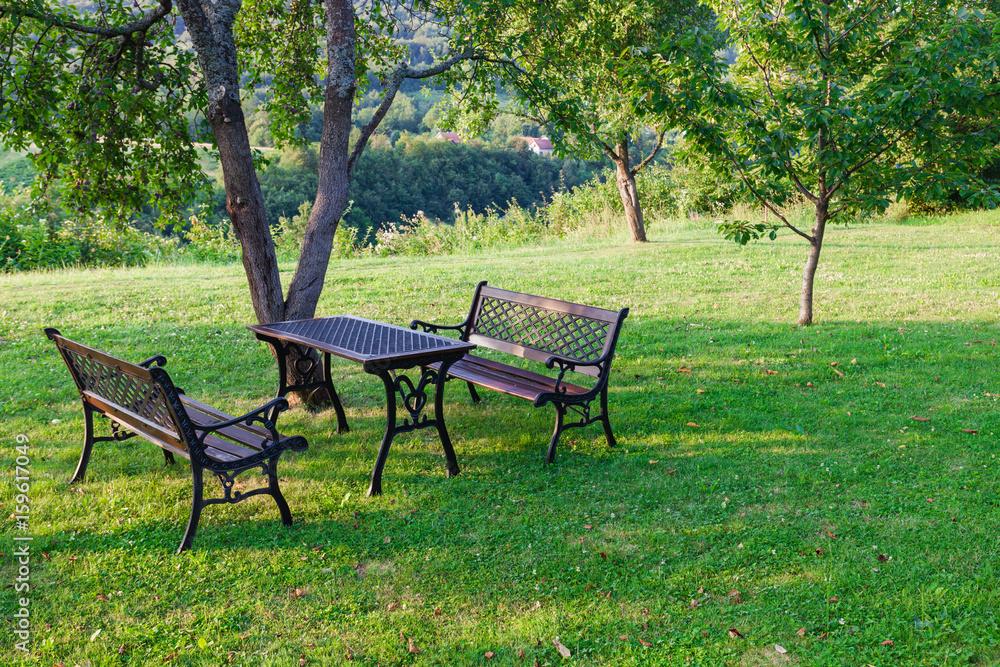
{"points": [[572, 336], [116, 385]]}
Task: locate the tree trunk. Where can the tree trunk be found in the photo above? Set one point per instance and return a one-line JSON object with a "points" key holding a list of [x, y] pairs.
{"points": [[211, 29], [334, 168], [629, 193], [331, 193], [809, 273], [245, 205]]}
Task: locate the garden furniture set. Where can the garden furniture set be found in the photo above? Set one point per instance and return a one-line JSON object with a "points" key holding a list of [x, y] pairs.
{"points": [[141, 400]]}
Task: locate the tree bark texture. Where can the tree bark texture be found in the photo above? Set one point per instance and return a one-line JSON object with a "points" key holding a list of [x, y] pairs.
{"points": [[628, 192], [334, 166], [210, 25]]}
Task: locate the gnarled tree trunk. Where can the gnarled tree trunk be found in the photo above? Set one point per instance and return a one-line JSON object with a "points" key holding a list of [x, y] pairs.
{"points": [[625, 177]]}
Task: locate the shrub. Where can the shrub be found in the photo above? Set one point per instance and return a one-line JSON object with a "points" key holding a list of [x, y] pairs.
{"points": [[29, 242], [210, 243]]}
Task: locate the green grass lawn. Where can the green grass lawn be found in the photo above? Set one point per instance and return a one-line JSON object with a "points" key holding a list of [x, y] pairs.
{"points": [[772, 500]]}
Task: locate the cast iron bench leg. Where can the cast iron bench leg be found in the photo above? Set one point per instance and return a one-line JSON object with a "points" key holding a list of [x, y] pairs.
{"points": [[560, 413], [473, 393], [275, 490], [88, 444], [605, 420], [196, 506]]}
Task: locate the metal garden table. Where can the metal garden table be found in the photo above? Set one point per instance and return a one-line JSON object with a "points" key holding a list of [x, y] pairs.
{"points": [[381, 349]]}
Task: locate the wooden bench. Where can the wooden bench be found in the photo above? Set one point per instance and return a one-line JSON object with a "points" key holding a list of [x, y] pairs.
{"points": [[571, 336], [140, 399]]}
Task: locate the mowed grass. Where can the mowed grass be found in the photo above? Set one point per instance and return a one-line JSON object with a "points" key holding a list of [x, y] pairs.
{"points": [[771, 487]]}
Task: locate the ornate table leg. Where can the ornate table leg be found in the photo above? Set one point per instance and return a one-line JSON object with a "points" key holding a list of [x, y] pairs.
{"points": [[414, 400], [306, 364]]}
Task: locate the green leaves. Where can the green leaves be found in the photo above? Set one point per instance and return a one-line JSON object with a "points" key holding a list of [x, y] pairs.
{"points": [[743, 231], [103, 117]]}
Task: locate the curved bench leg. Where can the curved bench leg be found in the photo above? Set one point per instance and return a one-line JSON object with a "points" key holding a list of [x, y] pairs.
{"points": [[272, 485], [473, 393], [605, 422], [88, 444], [560, 413], [196, 506]]}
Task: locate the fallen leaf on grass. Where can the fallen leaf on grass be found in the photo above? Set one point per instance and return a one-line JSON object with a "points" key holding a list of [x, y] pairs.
{"points": [[735, 634], [780, 649], [801, 632], [520, 653], [645, 643], [489, 655], [970, 431], [824, 635], [102, 597], [882, 558], [834, 599], [170, 657], [412, 647], [829, 534], [683, 369], [881, 384], [563, 651], [888, 642], [837, 372], [734, 597], [920, 419], [392, 605], [694, 604], [768, 371], [588, 526], [692, 425], [810, 385], [300, 593], [623, 637]]}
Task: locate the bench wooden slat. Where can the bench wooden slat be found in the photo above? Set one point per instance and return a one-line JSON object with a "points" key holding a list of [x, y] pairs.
{"points": [[507, 379]]}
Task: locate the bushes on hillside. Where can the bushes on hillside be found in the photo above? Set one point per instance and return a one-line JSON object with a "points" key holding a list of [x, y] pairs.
{"points": [[30, 242]]}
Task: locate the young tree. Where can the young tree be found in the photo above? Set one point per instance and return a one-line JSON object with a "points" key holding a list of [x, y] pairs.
{"points": [[105, 93], [567, 66], [846, 105]]}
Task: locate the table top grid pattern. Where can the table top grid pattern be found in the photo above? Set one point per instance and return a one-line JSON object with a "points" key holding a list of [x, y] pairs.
{"points": [[364, 338]]}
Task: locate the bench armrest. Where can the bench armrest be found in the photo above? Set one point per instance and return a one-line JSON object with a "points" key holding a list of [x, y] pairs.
{"points": [[571, 365], [428, 327], [266, 415], [158, 360]]}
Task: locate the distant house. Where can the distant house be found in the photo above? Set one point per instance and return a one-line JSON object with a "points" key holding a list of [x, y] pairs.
{"points": [[453, 137], [539, 145]]}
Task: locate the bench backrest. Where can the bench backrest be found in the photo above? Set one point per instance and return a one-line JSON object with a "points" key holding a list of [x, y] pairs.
{"points": [[140, 399], [535, 327]]}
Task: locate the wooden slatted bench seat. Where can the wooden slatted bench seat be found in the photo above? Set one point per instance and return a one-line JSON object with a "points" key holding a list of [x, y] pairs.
{"points": [[141, 400], [571, 336]]}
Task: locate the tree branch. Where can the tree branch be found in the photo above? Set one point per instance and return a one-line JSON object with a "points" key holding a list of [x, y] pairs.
{"points": [[142, 24], [649, 158]]}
